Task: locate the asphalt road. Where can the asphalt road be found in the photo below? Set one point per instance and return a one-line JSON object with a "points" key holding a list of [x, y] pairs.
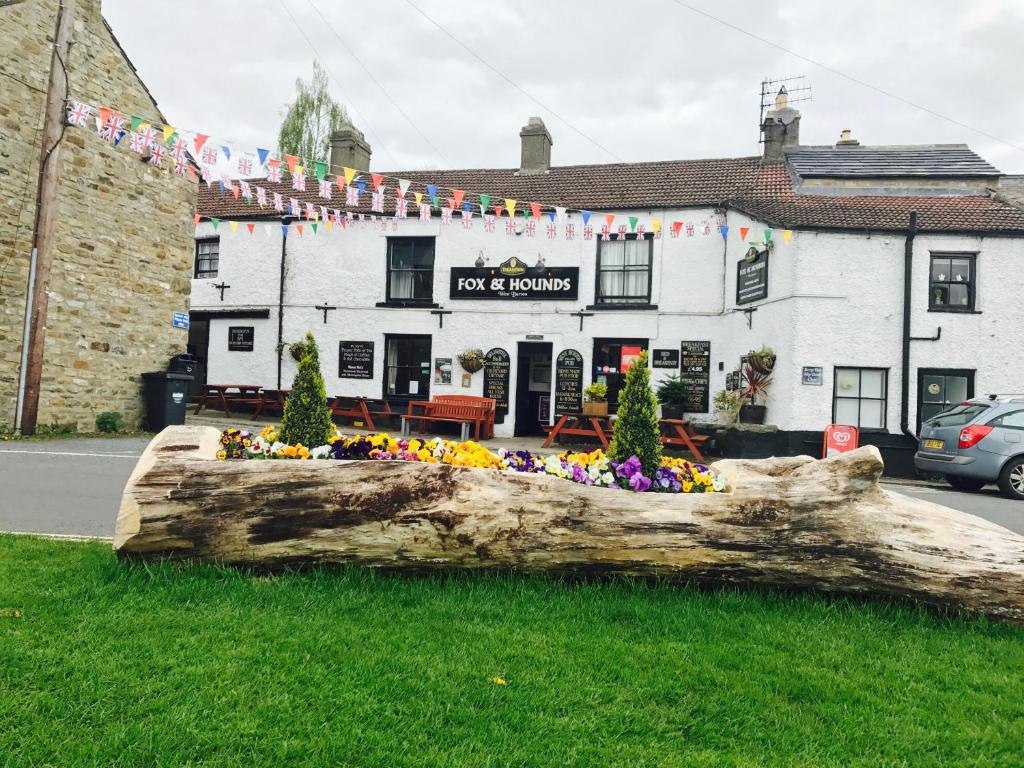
{"points": [[74, 487]]}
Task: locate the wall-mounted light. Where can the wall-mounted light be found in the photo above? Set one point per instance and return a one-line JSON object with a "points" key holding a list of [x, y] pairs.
{"points": [[540, 262], [754, 253], [480, 260]]}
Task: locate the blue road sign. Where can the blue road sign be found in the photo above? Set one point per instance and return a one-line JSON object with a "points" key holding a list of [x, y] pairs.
{"points": [[180, 320]]}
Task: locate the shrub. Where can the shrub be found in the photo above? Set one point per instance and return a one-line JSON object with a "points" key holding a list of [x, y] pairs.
{"points": [[307, 420], [596, 392], [636, 431], [109, 421], [672, 391]]}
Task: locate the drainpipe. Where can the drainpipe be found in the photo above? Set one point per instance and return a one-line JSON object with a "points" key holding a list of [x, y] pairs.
{"points": [[908, 260], [285, 221]]}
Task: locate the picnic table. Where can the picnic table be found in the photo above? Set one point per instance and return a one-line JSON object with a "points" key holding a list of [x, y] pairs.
{"points": [[364, 408], [463, 414], [222, 393], [581, 426], [681, 433], [271, 399]]}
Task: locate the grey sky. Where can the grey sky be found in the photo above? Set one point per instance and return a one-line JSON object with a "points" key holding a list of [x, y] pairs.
{"points": [[647, 79]]}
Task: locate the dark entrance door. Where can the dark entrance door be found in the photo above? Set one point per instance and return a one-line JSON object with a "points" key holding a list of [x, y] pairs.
{"points": [[533, 387], [940, 388], [198, 346]]}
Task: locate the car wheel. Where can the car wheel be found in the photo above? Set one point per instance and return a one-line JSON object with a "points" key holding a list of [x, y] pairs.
{"points": [[965, 484], [1011, 479]]}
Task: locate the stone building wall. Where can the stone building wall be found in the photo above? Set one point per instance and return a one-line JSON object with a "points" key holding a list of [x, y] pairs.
{"points": [[124, 248]]}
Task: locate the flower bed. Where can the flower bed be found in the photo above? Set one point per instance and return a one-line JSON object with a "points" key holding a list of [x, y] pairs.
{"points": [[593, 468]]}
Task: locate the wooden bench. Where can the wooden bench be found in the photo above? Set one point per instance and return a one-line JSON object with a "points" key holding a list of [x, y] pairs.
{"points": [[271, 400], [465, 414], [680, 433], [364, 408], [488, 404]]}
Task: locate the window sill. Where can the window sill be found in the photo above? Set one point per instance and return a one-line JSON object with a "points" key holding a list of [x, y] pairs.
{"points": [[613, 307], [408, 304], [954, 311]]}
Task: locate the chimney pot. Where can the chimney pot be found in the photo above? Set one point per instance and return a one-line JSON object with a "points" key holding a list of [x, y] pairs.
{"points": [[781, 128], [536, 145], [846, 139]]}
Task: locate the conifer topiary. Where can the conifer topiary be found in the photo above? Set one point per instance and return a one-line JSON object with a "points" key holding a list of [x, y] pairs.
{"points": [[307, 419], [636, 431]]}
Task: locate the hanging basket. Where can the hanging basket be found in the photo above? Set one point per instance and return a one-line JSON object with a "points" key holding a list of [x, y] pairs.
{"points": [[472, 360]]}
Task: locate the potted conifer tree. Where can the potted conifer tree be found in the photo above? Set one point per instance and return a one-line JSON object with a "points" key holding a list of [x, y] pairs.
{"points": [[637, 432], [307, 419]]}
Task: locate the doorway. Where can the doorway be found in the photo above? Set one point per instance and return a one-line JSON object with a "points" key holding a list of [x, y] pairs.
{"points": [[940, 388], [612, 358], [533, 388], [198, 346]]}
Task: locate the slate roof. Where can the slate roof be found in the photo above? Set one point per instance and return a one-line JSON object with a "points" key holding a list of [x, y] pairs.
{"points": [[942, 161], [763, 191]]}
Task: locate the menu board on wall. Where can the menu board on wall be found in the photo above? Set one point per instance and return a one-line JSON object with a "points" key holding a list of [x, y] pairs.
{"points": [[696, 375], [569, 382], [240, 338], [496, 377], [355, 360]]}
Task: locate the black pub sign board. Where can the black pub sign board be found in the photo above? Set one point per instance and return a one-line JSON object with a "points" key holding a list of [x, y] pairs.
{"points": [[569, 382], [665, 358], [752, 279], [496, 377], [513, 279], [240, 338], [696, 375], [355, 360]]}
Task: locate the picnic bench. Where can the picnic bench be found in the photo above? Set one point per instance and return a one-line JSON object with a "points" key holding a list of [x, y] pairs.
{"points": [[227, 395], [432, 411], [488, 404], [364, 408], [271, 400], [580, 426], [680, 432]]}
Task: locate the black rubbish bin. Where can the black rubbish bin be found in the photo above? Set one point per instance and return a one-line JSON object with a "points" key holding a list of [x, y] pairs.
{"points": [[166, 395], [183, 363]]}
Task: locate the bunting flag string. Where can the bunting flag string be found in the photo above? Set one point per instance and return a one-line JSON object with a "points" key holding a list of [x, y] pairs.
{"points": [[155, 143]]}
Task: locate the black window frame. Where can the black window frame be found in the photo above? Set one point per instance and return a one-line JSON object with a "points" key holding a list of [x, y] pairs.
{"points": [[205, 274], [624, 301], [389, 339], [409, 302], [972, 282], [967, 373], [884, 399]]}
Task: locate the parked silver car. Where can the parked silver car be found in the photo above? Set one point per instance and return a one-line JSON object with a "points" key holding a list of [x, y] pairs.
{"points": [[976, 442]]}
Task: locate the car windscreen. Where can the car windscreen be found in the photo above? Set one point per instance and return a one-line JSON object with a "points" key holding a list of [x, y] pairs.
{"points": [[957, 416]]}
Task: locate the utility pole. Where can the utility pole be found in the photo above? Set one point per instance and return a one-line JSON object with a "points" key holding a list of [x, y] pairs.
{"points": [[43, 235]]}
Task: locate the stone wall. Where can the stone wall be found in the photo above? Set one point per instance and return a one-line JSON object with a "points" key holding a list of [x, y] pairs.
{"points": [[123, 259]]}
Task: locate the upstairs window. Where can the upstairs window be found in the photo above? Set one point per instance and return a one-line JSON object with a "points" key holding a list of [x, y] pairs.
{"points": [[410, 269], [951, 282], [624, 270], [207, 257]]}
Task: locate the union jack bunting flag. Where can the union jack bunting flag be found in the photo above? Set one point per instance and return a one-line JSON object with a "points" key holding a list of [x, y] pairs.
{"points": [[325, 189], [323, 212], [377, 201], [489, 222], [425, 212], [350, 217], [605, 232], [209, 155], [293, 207], [707, 229], [570, 231], [401, 208], [261, 196], [446, 215], [244, 165], [467, 220], [531, 228], [641, 230], [207, 172], [178, 149], [310, 212], [621, 233], [588, 231], [352, 196], [78, 113], [147, 135], [552, 231], [180, 167], [156, 156], [278, 202], [273, 173], [510, 227], [690, 230], [298, 182], [246, 189], [111, 129], [394, 224], [384, 224]]}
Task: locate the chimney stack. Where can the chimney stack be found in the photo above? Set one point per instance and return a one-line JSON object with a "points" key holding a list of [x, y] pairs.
{"points": [[781, 128], [846, 139], [536, 147], [349, 149]]}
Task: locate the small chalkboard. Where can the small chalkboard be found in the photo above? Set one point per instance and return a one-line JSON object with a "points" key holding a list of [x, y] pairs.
{"points": [[665, 358], [696, 375], [355, 360], [496, 378], [569, 382], [240, 338]]}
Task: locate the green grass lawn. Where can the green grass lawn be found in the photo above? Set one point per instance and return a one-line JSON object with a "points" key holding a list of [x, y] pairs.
{"points": [[117, 665]]}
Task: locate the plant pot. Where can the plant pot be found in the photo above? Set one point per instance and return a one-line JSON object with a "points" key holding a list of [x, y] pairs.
{"points": [[671, 411], [752, 414], [594, 408], [762, 365]]}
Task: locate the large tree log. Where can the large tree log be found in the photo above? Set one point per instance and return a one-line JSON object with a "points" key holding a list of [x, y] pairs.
{"points": [[788, 522]]}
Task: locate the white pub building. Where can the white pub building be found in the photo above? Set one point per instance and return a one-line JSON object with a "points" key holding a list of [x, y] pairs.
{"points": [[886, 279]]}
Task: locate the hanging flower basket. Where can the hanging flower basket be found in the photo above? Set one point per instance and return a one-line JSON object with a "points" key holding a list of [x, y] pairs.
{"points": [[472, 360]]}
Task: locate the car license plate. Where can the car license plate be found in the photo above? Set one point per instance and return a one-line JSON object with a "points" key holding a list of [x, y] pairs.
{"points": [[934, 443]]}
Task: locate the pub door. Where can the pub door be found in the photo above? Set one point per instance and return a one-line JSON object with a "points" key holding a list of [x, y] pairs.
{"points": [[198, 346], [533, 388]]}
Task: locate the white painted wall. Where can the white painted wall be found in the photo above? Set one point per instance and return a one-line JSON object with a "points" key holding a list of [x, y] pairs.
{"points": [[834, 300]]}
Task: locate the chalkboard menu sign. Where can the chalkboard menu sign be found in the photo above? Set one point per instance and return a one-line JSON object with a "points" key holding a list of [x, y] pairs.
{"points": [[355, 360], [665, 358], [696, 375], [496, 376], [240, 338], [569, 382], [752, 279]]}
